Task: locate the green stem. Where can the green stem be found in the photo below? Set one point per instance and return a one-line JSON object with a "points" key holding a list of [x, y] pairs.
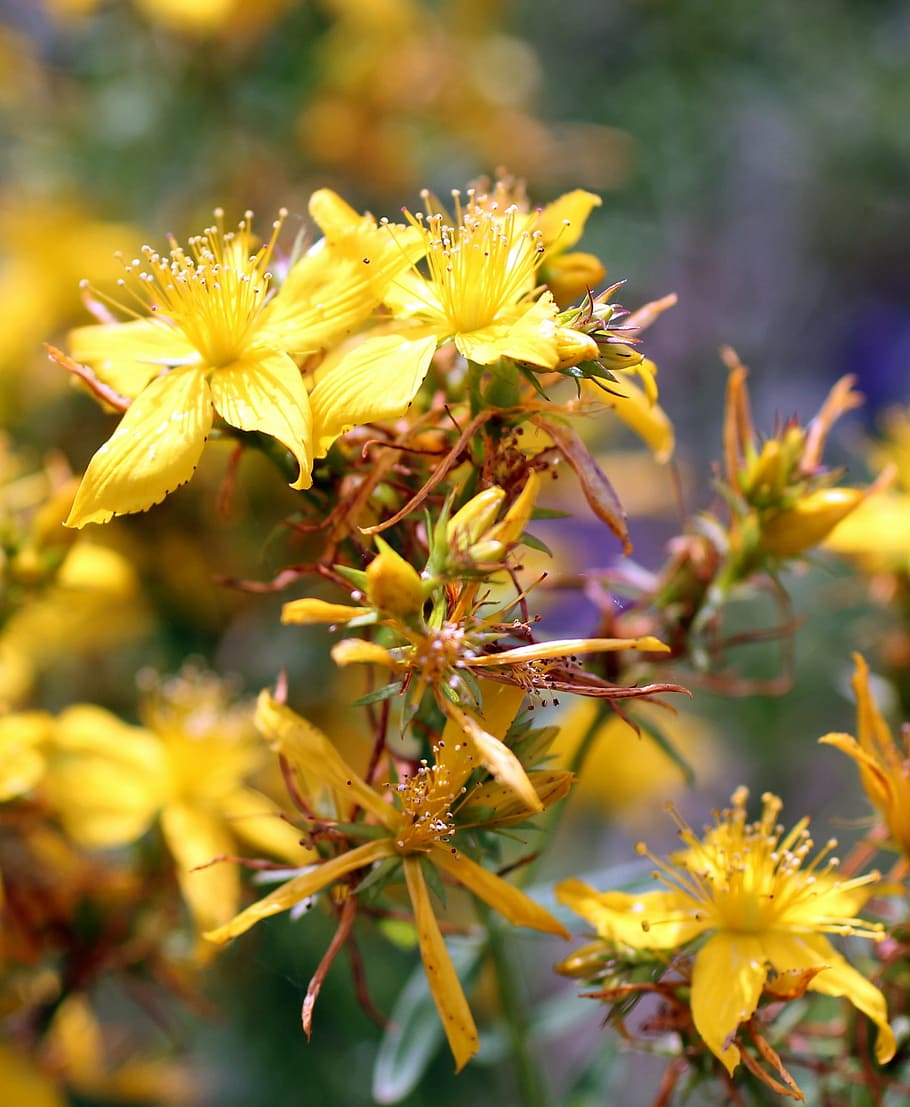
{"points": [[532, 1089]]}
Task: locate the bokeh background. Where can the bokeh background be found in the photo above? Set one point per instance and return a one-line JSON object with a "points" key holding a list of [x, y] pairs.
{"points": [[752, 158]]}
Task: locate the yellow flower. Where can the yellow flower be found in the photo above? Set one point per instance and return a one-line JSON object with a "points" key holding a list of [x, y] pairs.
{"points": [[417, 829], [750, 891], [215, 342], [187, 768], [482, 274], [884, 767]]}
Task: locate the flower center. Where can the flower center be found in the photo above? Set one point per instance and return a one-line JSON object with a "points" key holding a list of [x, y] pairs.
{"points": [[751, 878], [213, 294], [481, 264]]}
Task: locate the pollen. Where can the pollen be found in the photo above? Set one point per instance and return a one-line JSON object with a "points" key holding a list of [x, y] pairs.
{"points": [[481, 262], [213, 292], [751, 877]]}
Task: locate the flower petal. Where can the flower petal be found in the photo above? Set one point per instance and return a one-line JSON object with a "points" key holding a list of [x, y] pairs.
{"points": [[128, 356], [648, 420], [445, 987], [495, 756], [154, 450], [196, 837], [375, 380], [651, 920], [302, 887], [727, 980], [306, 611], [503, 897], [563, 221], [257, 820], [265, 392], [527, 333], [106, 780], [319, 763], [788, 951]]}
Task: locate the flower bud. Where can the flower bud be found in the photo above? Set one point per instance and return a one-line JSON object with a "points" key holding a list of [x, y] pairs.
{"points": [[797, 529], [569, 276], [574, 347], [393, 585], [471, 522], [519, 514]]}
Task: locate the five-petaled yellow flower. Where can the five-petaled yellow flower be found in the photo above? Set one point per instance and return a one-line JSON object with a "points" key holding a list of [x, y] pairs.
{"points": [[186, 769], [884, 767], [762, 908], [417, 828], [216, 341]]}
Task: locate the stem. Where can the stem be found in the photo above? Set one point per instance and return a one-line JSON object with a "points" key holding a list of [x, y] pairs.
{"points": [[532, 1089]]}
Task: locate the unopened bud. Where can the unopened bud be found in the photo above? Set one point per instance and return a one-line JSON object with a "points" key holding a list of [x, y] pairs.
{"points": [[471, 522], [519, 514], [570, 276], [574, 347], [393, 585], [811, 519]]}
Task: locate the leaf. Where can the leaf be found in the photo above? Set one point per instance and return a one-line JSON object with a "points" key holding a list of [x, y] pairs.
{"points": [[378, 694], [598, 491], [414, 1033], [535, 544]]}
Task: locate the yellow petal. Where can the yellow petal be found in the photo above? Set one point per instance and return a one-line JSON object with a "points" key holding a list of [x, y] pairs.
{"points": [[194, 838], [646, 419], [727, 980], [350, 651], [566, 646], [23, 1081], [788, 951], [331, 213], [445, 987], [306, 611], [155, 449], [302, 887], [265, 392], [257, 820], [529, 335], [106, 780], [21, 759], [518, 516], [128, 356], [651, 920], [875, 781], [495, 756], [503, 897], [375, 380], [308, 750], [563, 221]]}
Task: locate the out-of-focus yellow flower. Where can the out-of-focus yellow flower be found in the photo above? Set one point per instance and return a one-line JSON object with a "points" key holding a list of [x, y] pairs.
{"points": [[237, 18], [76, 1051], [73, 1056], [877, 533], [188, 768], [640, 412], [751, 891], [38, 299], [22, 738], [417, 830], [809, 521], [23, 1081], [60, 594], [625, 771], [884, 768]]}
